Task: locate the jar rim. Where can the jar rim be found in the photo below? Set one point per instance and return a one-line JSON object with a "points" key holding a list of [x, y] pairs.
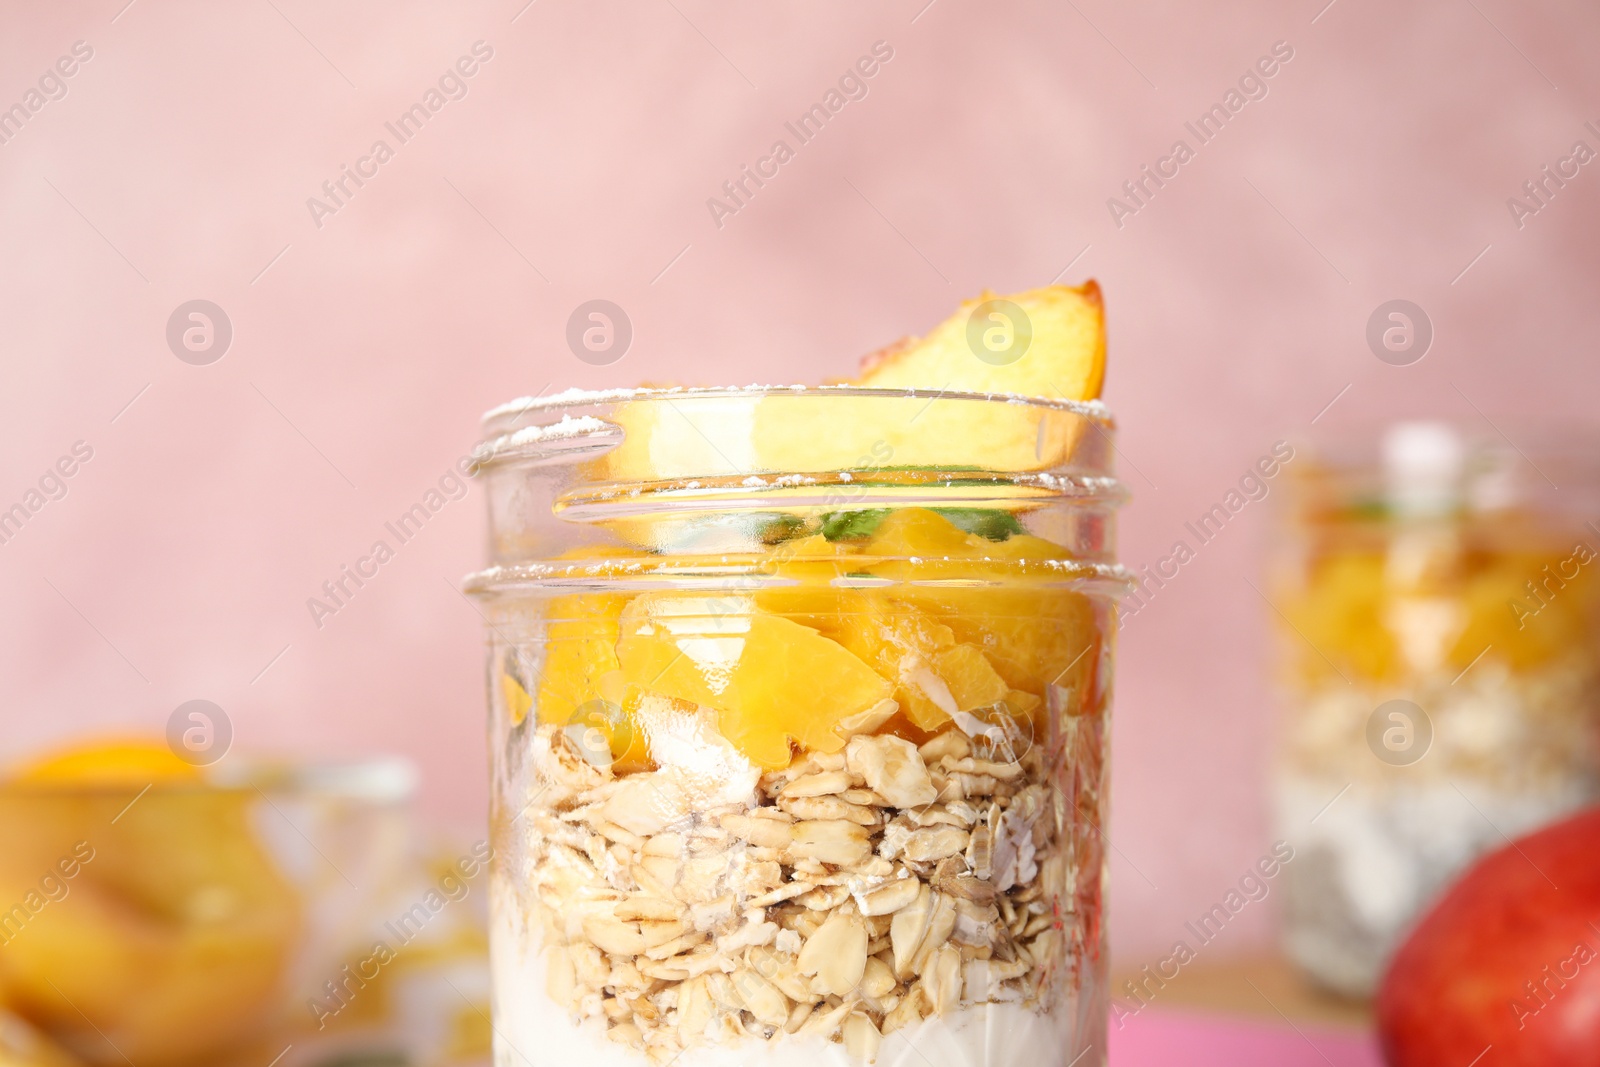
{"points": [[1464, 466], [1093, 410], [706, 469], [551, 577]]}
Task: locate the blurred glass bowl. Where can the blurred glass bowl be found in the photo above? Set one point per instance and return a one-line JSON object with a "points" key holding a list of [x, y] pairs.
{"points": [[153, 914]]}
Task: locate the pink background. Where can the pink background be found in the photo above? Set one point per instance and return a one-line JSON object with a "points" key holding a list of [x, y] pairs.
{"points": [[578, 166]]}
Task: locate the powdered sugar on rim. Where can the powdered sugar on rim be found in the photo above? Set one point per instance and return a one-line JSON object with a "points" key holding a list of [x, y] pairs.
{"points": [[571, 429]]}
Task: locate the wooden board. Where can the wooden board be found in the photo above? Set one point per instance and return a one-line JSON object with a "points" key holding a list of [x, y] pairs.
{"points": [[1259, 987]]}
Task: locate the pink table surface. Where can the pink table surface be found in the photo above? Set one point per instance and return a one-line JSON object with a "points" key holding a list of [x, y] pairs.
{"points": [[1174, 1039]]}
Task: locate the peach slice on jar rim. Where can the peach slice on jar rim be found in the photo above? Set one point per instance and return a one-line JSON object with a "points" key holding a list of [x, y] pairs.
{"points": [[1047, 343]]}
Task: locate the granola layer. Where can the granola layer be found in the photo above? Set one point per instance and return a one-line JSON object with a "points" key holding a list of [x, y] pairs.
{"points": [[845, 897]]}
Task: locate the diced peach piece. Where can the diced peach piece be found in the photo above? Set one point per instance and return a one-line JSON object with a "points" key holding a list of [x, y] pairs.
{"points": [[900, 643], [1024, 547], [1033, 636], [1023, 703], [580, 650], [919, 532], [933, 676], [808, 565], [972, 682], [773, 681]]}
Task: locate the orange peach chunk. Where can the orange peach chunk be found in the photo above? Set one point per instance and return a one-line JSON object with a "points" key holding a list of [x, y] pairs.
{"points": [[772, 681]]}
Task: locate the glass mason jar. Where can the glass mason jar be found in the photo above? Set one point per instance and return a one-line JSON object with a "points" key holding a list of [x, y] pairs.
{"points": [[1441, 669], [798, 722]]}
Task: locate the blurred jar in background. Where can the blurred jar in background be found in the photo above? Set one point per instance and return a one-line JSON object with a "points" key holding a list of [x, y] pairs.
{"points": [[1438, 610], [158, 913]]}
